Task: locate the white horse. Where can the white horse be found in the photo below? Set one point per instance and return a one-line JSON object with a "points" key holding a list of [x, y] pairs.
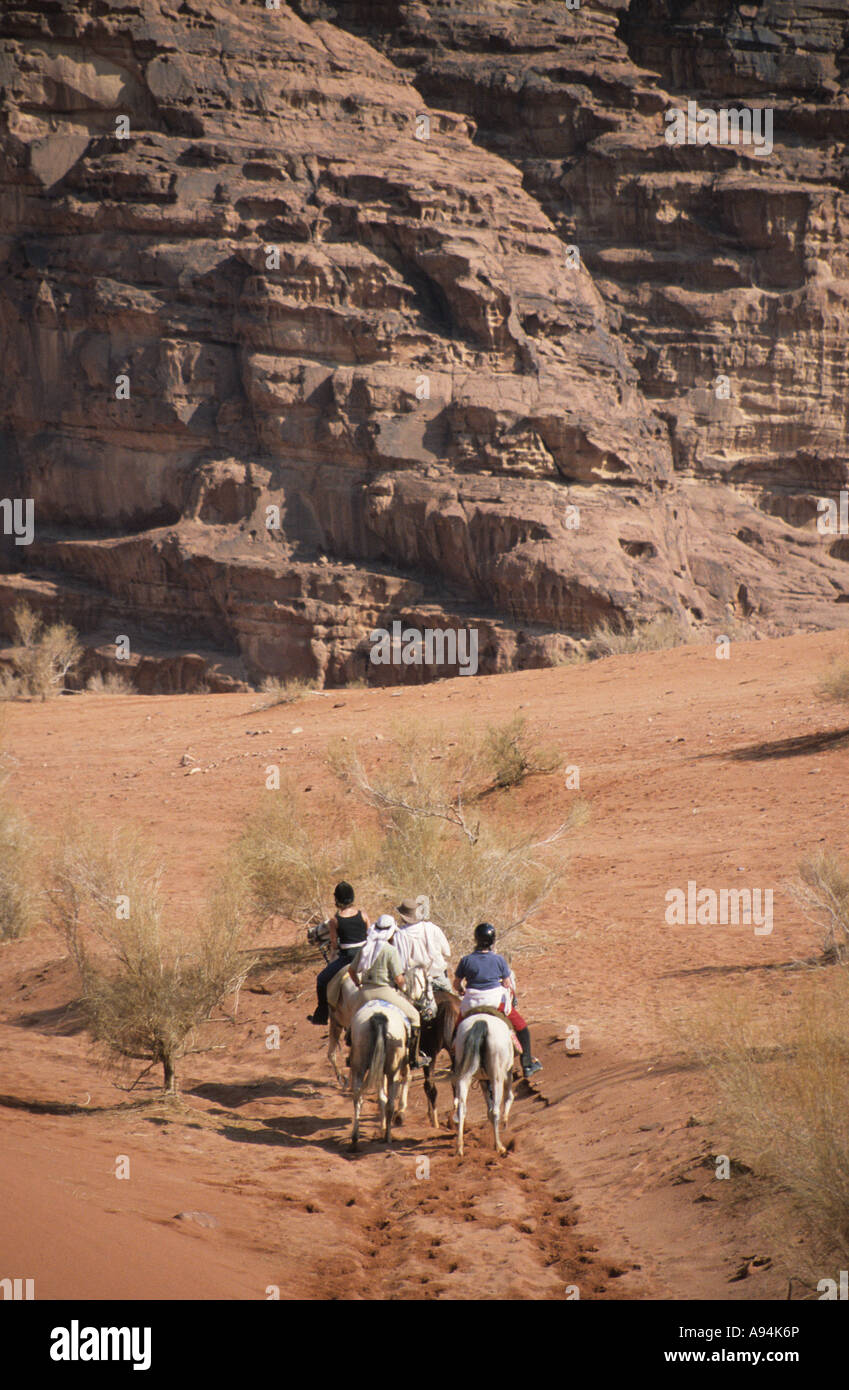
{"points": [[340, 1002], [483, 1043], [379, 1047]]}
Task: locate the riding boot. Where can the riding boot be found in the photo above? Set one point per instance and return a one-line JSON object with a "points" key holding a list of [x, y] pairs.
{"points": [[321, 1016], [530, 1065]]}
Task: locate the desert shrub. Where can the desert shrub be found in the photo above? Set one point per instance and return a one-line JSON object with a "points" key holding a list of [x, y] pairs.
{"points": [[19, 873], [574, 656], [781, 1078], [427, 827], [833, 683], [110, 683], [45, 654], [615, 638], [11, 687], [823, 891], [286, 692], [145, 992], [288, 867], [435, 835], [510, 755]]}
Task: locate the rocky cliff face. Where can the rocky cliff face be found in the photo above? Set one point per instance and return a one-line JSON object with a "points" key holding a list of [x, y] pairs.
{"points": [[318, 317]]}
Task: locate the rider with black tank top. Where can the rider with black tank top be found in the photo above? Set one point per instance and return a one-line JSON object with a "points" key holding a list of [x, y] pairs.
{"points": [[348, 931], [351, 932]]}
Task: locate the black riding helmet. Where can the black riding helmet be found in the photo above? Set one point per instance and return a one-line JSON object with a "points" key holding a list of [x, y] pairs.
{"points": [[343, 894], [485, 934]]}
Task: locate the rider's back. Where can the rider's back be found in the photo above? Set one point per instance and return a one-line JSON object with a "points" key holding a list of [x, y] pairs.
{"points": [[425, 944], [483, 970], [350, 931], [384, 969]]}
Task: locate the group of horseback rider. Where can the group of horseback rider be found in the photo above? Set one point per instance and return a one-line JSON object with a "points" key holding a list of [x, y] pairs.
{"points": [[378, 957]]}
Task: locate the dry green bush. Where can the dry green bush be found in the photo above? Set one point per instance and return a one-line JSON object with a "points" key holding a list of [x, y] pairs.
{"points": [[278, 692], [288, 868], [112, 683], [833, 684], [19, 873], [433, 835], [145, 992], [10, 684], [44, 656], [782, 1077], [423, 829], [658, 634], [511, 757], [823, 892]]}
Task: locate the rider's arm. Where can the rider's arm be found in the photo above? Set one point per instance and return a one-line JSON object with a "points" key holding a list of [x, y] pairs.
{"points": [[401, 983], [334, 934], [458, 978], [353, 974]]}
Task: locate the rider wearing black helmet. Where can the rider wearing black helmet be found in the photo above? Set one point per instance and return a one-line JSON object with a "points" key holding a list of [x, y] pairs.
{"points": [[485, 978], [348, 932]]}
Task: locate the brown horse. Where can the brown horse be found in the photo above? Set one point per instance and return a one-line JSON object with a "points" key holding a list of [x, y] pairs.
{"points": [[437, 1036]]}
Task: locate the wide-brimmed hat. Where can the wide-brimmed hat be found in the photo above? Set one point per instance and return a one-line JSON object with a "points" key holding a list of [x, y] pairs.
{"points": [[413, 909]]}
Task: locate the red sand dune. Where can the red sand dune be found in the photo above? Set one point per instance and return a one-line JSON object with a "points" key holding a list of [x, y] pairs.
{"points": [[605, 1187]]}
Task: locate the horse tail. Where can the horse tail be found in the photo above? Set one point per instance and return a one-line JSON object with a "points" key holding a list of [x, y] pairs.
{"points": [[473, 1045], [377, 1051]]}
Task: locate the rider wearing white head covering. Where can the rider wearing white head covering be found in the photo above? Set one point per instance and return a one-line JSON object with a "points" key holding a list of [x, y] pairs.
{"points": [[421, 942], [379, 935], [378, 972]]}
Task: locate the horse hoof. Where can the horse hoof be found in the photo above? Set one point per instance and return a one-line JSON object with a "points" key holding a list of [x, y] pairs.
{"points": [[501, 1151]]}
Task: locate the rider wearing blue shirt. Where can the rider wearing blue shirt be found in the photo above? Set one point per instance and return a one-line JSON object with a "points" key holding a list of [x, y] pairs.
{"points": [[483, 970]]}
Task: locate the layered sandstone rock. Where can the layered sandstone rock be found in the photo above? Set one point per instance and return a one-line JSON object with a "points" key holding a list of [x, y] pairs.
{"points": [[306, 351]]}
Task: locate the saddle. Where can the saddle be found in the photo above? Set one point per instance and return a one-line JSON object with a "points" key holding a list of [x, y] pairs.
{"points": [[388, 1004], [334, 989], [488, 1009]]}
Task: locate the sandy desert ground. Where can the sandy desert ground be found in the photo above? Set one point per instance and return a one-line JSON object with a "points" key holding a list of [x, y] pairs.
{"points": [[608, 1185]]}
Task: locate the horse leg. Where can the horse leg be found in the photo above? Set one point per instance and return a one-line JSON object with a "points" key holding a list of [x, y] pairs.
{"points": [[508, 1092], [430, 1096], [333, 1046], [381, 1101], [404, 1076], [460, 1108], [357, 1088], [495, 1110], [392, 1096]]}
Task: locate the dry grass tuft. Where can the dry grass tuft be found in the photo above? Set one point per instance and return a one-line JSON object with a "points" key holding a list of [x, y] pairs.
{"points": [[112, 683], [19, 873], [782, 1076], [823, 892], [658, 634], [833, 684], [286, 692]]}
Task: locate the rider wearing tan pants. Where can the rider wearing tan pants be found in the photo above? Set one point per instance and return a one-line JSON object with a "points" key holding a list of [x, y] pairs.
{"points": [[378, 973]]}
